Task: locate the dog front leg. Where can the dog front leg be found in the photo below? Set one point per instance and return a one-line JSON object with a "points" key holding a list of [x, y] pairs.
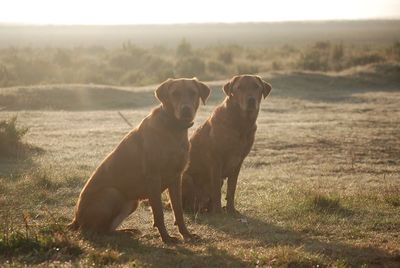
{"points": [[175, 196], [230, 193], [158, 214]]}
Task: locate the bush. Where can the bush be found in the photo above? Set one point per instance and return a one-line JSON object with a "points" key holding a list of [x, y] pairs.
{"points": [[322, 45], [276, 66], [10, 136], [184, 49], [62, 58], [245, 68], [337, 52], [216, 67], [190, 67], [365, 59], [131, 78], [5, 76], [396, 50], [314, 60], [226, 56]]}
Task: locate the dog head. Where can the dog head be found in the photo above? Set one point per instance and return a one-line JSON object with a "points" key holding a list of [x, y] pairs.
{"points": [[247, 91], [181, 97]]}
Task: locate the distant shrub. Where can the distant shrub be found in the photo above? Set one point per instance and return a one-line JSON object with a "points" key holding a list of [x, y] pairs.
{"points": [[189, 67], [288, 49], [337, 52], [132, 77], [276, 66], [365, 59], [315, 58], [88, 75], [322, 45], [5, 76], [130, 64], [245, 68], [32, 70], [184, 49], [396, 50], [226, 56], [124, 60], [159, 68], [62, 58], [132, 49], [10, 136], [216, 67]]}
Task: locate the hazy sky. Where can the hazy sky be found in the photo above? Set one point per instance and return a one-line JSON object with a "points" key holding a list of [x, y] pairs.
{"points": [[180, 11]]}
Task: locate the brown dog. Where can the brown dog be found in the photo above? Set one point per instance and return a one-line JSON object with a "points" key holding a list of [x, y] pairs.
{"points": [[150, 159], [219, 146]]}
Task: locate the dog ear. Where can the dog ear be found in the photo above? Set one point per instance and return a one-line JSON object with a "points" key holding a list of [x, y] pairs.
{"points": [[204, 90], [162, 90], [266, 87], [229, 86]]}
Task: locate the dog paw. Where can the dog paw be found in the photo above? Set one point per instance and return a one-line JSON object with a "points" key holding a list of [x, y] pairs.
{"points": [[191, 237], [170, 240], [233, 211]]}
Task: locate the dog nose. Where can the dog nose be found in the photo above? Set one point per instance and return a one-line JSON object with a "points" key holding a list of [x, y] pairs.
{"points": [[186, 111], [251, 103]]}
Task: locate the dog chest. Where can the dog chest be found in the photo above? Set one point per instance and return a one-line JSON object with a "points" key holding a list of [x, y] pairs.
{"points": [[232, 163], [169, 158], [235, 150]]}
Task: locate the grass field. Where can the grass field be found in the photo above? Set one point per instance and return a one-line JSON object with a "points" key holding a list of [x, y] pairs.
{"points": [[321, 186]]}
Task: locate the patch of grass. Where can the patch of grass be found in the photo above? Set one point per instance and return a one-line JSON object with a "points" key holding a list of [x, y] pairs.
{"points": [[32, 246], [392, 196], [323, 203], [41, 179], [393, 200], [104, 258]]}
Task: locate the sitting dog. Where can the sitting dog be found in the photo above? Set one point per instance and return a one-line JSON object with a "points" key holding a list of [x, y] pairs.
{"points": [[149, 159], [220, 145]]}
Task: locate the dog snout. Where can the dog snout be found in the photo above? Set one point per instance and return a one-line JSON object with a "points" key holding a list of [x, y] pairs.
{"points": [[186, 112], [251, 103]]}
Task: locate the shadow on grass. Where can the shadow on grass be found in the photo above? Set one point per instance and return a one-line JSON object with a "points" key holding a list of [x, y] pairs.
{"points": [[128, 247], [269, 235]]}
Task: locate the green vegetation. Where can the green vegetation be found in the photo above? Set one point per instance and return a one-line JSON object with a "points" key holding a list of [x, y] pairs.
{"points": [[131, 65]]}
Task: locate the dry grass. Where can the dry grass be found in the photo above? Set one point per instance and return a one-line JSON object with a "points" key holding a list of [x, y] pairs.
{"points": [[321, 186]]}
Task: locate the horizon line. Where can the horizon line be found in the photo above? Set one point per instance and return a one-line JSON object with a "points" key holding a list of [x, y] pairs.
{"points": [[201, 23]]}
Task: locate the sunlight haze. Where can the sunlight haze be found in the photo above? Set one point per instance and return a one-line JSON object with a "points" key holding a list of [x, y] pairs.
{"points": [[177, 11]]}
